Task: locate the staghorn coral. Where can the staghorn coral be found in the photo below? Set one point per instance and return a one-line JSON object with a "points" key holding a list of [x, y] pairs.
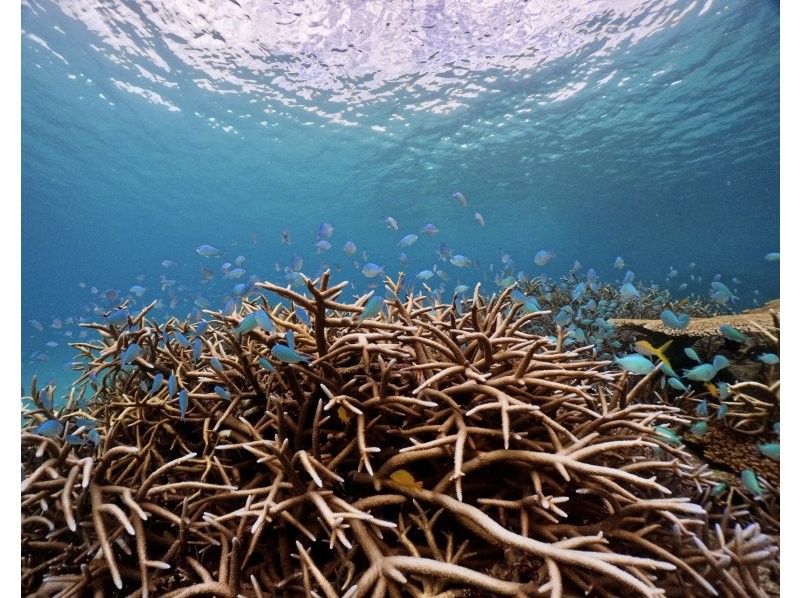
{"points": [[427, 452]]}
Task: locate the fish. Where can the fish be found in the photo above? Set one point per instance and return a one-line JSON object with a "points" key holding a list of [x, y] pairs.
{"points": [[235, 273], [429, 229], [324, 231], [222, 392], [93, 436], [628, 292], [138, 290], [677, 384], [424, 274], [772, 257], [444, 252], [322, 245], [724, 390], [712, 390], [619, 263], [732, 333], [296, 264], [702, 408], [302, 316], [372, 308], [158, 381], [50, 428], [668, 435], [172, 384], [673, 320], [181, 339], [371, 270], [543, 257], [699, 428], [635, 364], [197, 349], [168, 264], [683, 286], [720, 362], [479, 219], [672, 272], [349, 248], [286, 237], [208, 251], [239, 260], [247, 324], [130, 353], [772, 450], [459, 197], [36, 324], [404, 478], [750, 482], [629, 277], [183, 402], [407, 241], [266, 364], [461, 261], [216, 364], [563, 317], [769, 358], [692, 354], [403, 259], [390, 222], [287, 354], [344, 414], [722, 411], [74, 440], [645, 348], [701, 373], [117, 317], [578, 291]]}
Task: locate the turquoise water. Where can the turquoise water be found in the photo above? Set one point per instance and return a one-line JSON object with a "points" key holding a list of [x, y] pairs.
{"points": [[646, 130]]}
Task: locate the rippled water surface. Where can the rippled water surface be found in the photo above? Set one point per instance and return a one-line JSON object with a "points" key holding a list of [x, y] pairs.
{"points": [[593, 129]]}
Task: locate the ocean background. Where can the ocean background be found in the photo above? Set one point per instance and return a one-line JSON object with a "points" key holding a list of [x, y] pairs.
{"points": [[646, 130]]}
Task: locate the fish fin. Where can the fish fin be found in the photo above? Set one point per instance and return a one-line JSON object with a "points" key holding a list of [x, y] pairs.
{"points": [[660, 353]]}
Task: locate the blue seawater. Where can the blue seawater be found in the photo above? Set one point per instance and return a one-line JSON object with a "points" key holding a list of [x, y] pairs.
{"points": [[591, 130]]}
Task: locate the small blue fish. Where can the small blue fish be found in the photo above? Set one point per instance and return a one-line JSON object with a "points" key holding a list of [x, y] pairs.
{"points": [[699, 428], [349, 248], [197, 349], [429, 229], [720, 362], [45, 399], [629, 276], [117, 317], [130, 353], [50, 428], [701, 373], [372, 308], [74, 440], [138, 290], [673, 320], [769, 358], [578, 291], [302, 316], [719, 488], [183, 402], [158, 380], [459, 197], [531, 305], [667, 434], [543, 257], [619, 263], [208, 251], [181, 339], [201, 327], [84, 422], [172, 384], [563, 317], [724, 390], [407, 241], [732, 333], [635, 364], [461, 261], [771, 450], [223, 394], [628, 292], [93, 436], [424, 274], [371, 270], [677, 384], [216, 364], [247, 324], [287, 354], [266, 364], [692, 354], [325, 231], [751, 482], [702, 408], [722, 411], [772, 257], [230, 307], [290, 338], [322, 245]]}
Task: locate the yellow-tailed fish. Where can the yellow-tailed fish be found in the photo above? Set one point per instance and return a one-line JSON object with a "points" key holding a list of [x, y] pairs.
{"points": [[712, 390], [404, 478], [343, 413], [645, 348]]}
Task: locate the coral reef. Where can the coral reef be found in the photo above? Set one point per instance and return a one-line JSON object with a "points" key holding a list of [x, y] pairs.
{"points": [[431, 450]]}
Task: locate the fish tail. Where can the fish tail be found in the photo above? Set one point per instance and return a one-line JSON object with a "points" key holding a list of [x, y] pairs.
{"points": [[660, 353]]}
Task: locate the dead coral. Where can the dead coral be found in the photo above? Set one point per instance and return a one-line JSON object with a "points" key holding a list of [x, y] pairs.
{"points": [[422, 452]]}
